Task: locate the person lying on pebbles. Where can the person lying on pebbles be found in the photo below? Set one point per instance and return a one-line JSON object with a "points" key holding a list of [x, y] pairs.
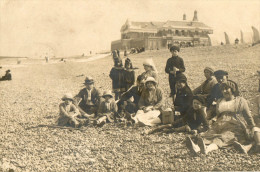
{"points": [[88, 99], [194, 121], [107, 110], [234, 126], [70, 114]]}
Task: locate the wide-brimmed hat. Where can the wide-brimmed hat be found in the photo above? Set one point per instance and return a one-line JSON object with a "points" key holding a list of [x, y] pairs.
{"points": [[107, 93], [149, 62], [209, 69], [67, 96], [173, 48], [181, 78], [89, 80], [151, 79], [220, 73]]}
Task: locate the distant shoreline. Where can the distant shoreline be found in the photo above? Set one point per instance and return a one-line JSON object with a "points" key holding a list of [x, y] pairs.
{"points": [[9, 57]]}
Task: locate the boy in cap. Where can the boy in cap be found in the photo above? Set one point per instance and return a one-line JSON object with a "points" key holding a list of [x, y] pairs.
{"points": [[174, 67], [205, 88], [107, 110], [88, 99], [7, 76], [69, 113]]}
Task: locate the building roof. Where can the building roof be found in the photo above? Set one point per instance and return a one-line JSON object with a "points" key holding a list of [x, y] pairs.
{"points": [[154, 26]]}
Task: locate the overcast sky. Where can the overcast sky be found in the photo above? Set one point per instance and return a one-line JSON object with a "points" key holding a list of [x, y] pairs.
{"points": [[64, 27]]}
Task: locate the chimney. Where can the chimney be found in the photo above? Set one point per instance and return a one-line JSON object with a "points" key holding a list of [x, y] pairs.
{"points": [[184, 16], [195, 17]]}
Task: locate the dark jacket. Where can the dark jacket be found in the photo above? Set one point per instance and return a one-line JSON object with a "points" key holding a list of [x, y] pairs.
{"points": [[129, 76], [118, 79], [183, 100], [217, 94], [177, 62]]}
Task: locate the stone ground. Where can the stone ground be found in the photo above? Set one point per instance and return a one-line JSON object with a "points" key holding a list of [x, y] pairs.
{"points": [[31, 99]]}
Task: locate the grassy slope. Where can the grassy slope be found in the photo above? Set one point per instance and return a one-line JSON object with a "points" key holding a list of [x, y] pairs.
{"points": [[32, 98]]}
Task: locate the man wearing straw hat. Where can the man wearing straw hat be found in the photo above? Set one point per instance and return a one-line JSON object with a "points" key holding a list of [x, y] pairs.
{"points": [[88, 99]]}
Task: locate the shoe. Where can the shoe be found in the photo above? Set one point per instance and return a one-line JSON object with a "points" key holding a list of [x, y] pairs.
{"points": [[202, 146], [239, 147], [191, 146], [101, 124]]}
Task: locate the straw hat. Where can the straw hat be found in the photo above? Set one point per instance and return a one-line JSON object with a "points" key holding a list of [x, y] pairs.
{"points": [[107, 93], [67, 96], [209, 69]]}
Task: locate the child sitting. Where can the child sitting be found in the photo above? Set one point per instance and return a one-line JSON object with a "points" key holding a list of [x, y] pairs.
{"points": [[107, 110], [69, 114]]}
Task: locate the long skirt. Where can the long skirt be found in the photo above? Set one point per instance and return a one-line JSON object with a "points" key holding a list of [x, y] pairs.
{"points": [[149, 118], [228, 128]]}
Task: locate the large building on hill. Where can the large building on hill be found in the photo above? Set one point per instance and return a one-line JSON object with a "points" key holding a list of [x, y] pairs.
{"points": [[157, 35]]}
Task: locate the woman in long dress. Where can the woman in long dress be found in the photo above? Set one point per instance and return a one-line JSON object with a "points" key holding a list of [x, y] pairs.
{"points": [[234, 125]]}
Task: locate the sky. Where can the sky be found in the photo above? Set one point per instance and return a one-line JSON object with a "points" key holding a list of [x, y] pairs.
{"points": [[35, 28]]}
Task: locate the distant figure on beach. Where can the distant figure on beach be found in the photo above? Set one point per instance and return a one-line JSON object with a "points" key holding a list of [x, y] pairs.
{"points": [[88, 99], [118, 79], [46, 59], [7, 76], [107, 110], [236, 41], [70, 114], [125, 53], [174, 67]]}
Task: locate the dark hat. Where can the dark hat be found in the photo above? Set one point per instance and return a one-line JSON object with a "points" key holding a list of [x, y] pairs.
{"points": [[199, 98], [173, 48], [89, 80], [181, 78], [220, 73], [8, 70], [228, 85], [128, 62]]}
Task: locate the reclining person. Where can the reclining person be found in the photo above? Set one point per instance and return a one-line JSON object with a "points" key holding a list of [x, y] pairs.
{"points": [[205, 88], [88, 99], [7, 76]]}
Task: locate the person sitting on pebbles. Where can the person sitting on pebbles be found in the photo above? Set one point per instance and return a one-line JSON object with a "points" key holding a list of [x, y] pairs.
{"points": [[149, 104], [107, 110], [234, 125], [150, 70], [7, 76], [205, 88], [88, 99], [128, 103], [70, 114]]}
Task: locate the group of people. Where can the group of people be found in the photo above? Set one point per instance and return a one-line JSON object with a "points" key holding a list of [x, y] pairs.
{"points": [[214, 112]]}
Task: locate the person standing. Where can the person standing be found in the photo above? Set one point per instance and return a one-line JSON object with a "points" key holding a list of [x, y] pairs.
{"points": [[174, 67]]}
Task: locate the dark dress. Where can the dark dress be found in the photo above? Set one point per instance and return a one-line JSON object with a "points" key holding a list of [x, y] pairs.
{"points": [[183, 100], [118, 79], [129, 78]]}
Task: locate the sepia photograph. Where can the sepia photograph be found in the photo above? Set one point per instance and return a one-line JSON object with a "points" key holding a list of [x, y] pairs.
{"points": [[129, 85]]}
